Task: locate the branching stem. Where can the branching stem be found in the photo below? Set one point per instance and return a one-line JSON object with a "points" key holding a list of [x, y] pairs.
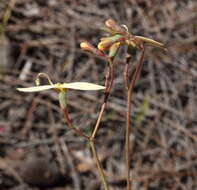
{"points": [[108, 85]]}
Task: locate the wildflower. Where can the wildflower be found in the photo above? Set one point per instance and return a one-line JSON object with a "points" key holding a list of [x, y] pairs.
{"points": [[61, 88], [135, 41]]}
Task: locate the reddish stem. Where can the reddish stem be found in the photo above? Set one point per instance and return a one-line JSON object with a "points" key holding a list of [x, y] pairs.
{"points": [[128, 116], [70, 125], [108, 84]]}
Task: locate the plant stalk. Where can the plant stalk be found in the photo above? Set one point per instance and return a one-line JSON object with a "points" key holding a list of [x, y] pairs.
{"points": [[100, 169], [108, 84], [70, 125], [128, 116]]}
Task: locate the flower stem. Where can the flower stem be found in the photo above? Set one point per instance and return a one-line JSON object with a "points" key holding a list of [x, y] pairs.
{"points": [[128, 116], [108, 84], [100, 169], [71, 126]]}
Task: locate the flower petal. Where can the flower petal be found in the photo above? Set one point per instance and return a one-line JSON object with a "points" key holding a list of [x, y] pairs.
{"points": [[36, 88], [151, 42], [82, 86]]}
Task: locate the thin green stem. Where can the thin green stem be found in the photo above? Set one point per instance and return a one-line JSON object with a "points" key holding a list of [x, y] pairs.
{"points": [[128, 117], [100, 169]]}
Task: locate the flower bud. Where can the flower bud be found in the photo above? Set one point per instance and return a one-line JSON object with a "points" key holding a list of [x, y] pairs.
{"points": [[107, 42], [89, 47], [114, 27], [113, 49]]}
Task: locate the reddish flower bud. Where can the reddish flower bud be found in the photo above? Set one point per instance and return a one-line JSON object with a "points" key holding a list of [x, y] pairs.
{"points": [[89, 47], [114, 27]]}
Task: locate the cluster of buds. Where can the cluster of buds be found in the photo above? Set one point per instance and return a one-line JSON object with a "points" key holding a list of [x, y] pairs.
{"points": [[111, 43], [118, 35]]}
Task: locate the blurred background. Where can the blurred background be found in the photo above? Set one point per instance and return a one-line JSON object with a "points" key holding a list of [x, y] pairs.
{"points": [[38, 152]]}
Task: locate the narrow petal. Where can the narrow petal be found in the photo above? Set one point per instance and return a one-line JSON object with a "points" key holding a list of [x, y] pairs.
{"points": [[151, 42], [35, 88], [82, 86]]}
